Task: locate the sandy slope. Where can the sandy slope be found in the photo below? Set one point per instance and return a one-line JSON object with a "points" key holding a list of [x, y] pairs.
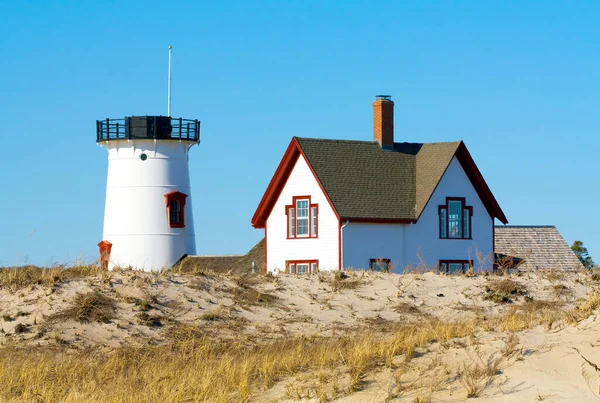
{"points": [[543, 366]]}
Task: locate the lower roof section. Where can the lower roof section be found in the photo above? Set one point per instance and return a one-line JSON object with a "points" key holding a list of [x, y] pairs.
{"points": [[539, 246]]}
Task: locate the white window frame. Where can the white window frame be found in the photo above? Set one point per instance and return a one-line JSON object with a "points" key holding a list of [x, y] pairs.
{"points": [[455, 224], [291, 224], [305, 267], [305, 218], [312, 266]]}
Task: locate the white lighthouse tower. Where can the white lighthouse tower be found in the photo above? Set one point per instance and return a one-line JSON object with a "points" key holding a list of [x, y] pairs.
{"points": [[148, 222]]}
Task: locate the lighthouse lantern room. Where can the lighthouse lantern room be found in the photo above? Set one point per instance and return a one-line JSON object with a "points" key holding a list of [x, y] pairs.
{"points": [[148, 220]]}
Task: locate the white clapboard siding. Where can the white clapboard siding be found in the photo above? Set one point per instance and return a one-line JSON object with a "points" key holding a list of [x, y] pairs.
{"points": [[404, 243], [325, 248]]}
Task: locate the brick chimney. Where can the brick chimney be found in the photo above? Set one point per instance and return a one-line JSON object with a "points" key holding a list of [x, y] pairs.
{"points": [[383, 121]]}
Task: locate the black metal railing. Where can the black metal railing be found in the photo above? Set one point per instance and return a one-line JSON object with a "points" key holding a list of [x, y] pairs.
{"points": [[148, 127]]}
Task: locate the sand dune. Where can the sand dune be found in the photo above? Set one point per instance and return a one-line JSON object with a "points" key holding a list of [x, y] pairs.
{"points": [[505, 357]]}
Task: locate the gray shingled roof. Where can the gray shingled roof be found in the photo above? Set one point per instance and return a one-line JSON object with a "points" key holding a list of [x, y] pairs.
{"points": [[227, 263], [432, 161], [542, 247], [365, 181]]}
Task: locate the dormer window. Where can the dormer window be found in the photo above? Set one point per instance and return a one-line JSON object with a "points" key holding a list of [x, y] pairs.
{"points": [[175, 209], [302, 218], [455, 219]]}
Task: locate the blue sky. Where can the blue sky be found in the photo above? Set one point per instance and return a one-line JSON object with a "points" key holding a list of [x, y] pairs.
{"points": [[519, 82]]}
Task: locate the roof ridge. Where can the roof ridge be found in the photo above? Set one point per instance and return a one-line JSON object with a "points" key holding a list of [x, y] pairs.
{"points": [[524, 226], [334, 140], [372, 141], [442, 142], [233, 255]]}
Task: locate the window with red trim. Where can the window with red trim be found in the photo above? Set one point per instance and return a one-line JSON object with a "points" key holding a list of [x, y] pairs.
{"points": [[455, 266], [302, 218], [301, 266], [455, 219], [380, 264], [175, 209]]}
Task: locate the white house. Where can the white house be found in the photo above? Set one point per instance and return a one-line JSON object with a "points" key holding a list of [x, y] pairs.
{"points": [[378, 204]]}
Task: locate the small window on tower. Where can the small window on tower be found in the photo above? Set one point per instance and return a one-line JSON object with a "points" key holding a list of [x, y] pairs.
{"points": [[174, 212], [175, 209]]}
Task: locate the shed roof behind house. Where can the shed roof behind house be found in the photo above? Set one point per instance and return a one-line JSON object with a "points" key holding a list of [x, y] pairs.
{"points": [[541, 247], [238, 264]]}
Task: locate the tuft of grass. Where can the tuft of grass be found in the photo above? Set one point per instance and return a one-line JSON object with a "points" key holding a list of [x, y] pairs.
{"points": [[86, 308], [554, 275], [510, 345], [476, 378], [17, 278], [213, 316], [144, 305], [470, 272], [200, 283], [21, 328], [502, 291], [585, 307], [80, 271], [562, 291], [342, 281], [245, 294], [526, 316], [182, 332], [407, 308], [144, 318]]}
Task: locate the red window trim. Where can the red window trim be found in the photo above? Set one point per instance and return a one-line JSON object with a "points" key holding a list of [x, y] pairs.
{"points": [[310, 207], [387, 261], [463, 207], [180, 197], [297, 262], [448, 262]]}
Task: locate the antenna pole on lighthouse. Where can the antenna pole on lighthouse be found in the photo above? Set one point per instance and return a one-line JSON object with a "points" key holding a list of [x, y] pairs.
{"points": [[169, 84]]}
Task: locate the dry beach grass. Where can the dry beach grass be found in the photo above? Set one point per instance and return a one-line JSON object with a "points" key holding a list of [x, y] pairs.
{"points": [[125, 336]]}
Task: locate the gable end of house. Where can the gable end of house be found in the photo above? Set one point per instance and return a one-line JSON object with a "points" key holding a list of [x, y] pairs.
{"points": [[278, 181], [461, 153]]}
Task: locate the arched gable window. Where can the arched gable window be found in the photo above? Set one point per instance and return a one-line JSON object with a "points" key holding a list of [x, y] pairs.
{"points": [[175, 209]]}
